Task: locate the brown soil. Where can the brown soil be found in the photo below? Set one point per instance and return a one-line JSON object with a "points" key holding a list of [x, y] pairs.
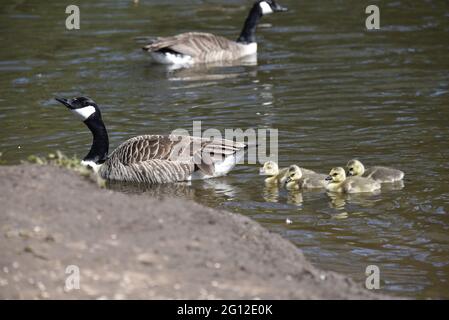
{"points": [[130, 246]]}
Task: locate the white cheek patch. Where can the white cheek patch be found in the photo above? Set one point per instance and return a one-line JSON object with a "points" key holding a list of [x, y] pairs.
{"points": [[84, 113], [266, 8]]}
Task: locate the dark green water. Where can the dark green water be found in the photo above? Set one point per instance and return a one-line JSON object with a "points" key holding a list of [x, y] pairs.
{"points": [[334, 91]]}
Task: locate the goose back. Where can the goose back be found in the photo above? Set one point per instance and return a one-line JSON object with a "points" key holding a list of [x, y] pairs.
{"points": [[201, 47]]}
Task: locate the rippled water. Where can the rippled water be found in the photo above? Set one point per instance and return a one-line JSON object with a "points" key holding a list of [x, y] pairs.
{"points": [[333, 90]]}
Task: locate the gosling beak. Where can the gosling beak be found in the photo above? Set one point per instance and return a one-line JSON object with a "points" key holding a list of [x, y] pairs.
{"points": [[279, 8], [349, 174], [65, 102], [262, 172], [288, 180], [328, 178]]}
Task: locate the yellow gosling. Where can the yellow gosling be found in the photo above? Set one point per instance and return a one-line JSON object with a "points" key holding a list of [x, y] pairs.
{"points": [[298, 180], [338, 182], [275, 175], [355, 168]]}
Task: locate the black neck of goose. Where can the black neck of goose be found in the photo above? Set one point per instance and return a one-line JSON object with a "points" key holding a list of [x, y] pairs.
{"points": [[100, 145], [248, 34]]}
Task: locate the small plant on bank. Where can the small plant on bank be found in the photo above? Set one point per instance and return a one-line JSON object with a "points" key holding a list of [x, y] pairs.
{"points": [[61, 160]]}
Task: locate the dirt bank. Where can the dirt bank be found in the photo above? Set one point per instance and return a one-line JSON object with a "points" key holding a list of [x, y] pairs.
{"points": [[135, 247]]}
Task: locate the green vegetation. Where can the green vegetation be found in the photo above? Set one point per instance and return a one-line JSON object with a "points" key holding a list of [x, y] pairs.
{"points": [[61, 160]]}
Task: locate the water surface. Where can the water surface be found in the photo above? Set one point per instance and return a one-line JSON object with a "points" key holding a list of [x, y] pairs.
{"points": [[333, 90]]}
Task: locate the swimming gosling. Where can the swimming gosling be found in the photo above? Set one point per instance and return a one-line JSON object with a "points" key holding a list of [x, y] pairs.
{"points": [[276, 175], [338, 182], [297, 180], [380, 174]]}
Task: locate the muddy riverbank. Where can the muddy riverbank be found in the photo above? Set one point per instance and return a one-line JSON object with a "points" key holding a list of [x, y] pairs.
{"points": [[130, 246]]}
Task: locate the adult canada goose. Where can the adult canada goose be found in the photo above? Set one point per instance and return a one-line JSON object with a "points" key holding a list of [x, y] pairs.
{"points": [[194, 47], [153, 158], [296, 180], [380, 174], [276, 175], [338, 182]]}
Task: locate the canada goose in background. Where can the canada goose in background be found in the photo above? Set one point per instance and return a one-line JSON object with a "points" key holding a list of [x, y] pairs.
{"points": [[276, 175], [338, 182], [296, 180], [194, 47], [153, 158], [380, 174]]}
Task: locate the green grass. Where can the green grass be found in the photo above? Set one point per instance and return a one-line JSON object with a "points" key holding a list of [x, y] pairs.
{"points": [[60, 160]]}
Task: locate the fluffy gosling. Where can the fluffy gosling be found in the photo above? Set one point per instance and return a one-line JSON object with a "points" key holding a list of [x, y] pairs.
{"points": [[381, 174], [275, 175], [297, 180], [338, 182]]}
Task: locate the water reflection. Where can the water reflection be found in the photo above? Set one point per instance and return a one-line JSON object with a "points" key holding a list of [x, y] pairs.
{"points": [[212, 71], [181, 189], [271, 192], [221, 187], [332, 90], [295, 198], [210, 188], [340, 201], [398, 185]]}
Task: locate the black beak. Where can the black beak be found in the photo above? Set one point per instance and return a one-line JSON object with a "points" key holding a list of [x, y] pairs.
{"points": [[65, 102], [328, 178], [288, 180], [279, 8], [349, 174]]}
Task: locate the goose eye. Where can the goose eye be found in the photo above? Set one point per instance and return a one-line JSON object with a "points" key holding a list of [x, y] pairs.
{"points": [[351, 169], [335, 174]]}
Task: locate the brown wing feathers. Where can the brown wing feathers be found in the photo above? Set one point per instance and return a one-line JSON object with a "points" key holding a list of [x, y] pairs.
{"points": [[159, 159], [193, 44]]}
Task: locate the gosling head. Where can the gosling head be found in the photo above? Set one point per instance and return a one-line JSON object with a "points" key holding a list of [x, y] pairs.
{"points": [[270, 6], [355, 168], [294, 173], [83, 107], [337, 175], [270, 168]]}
